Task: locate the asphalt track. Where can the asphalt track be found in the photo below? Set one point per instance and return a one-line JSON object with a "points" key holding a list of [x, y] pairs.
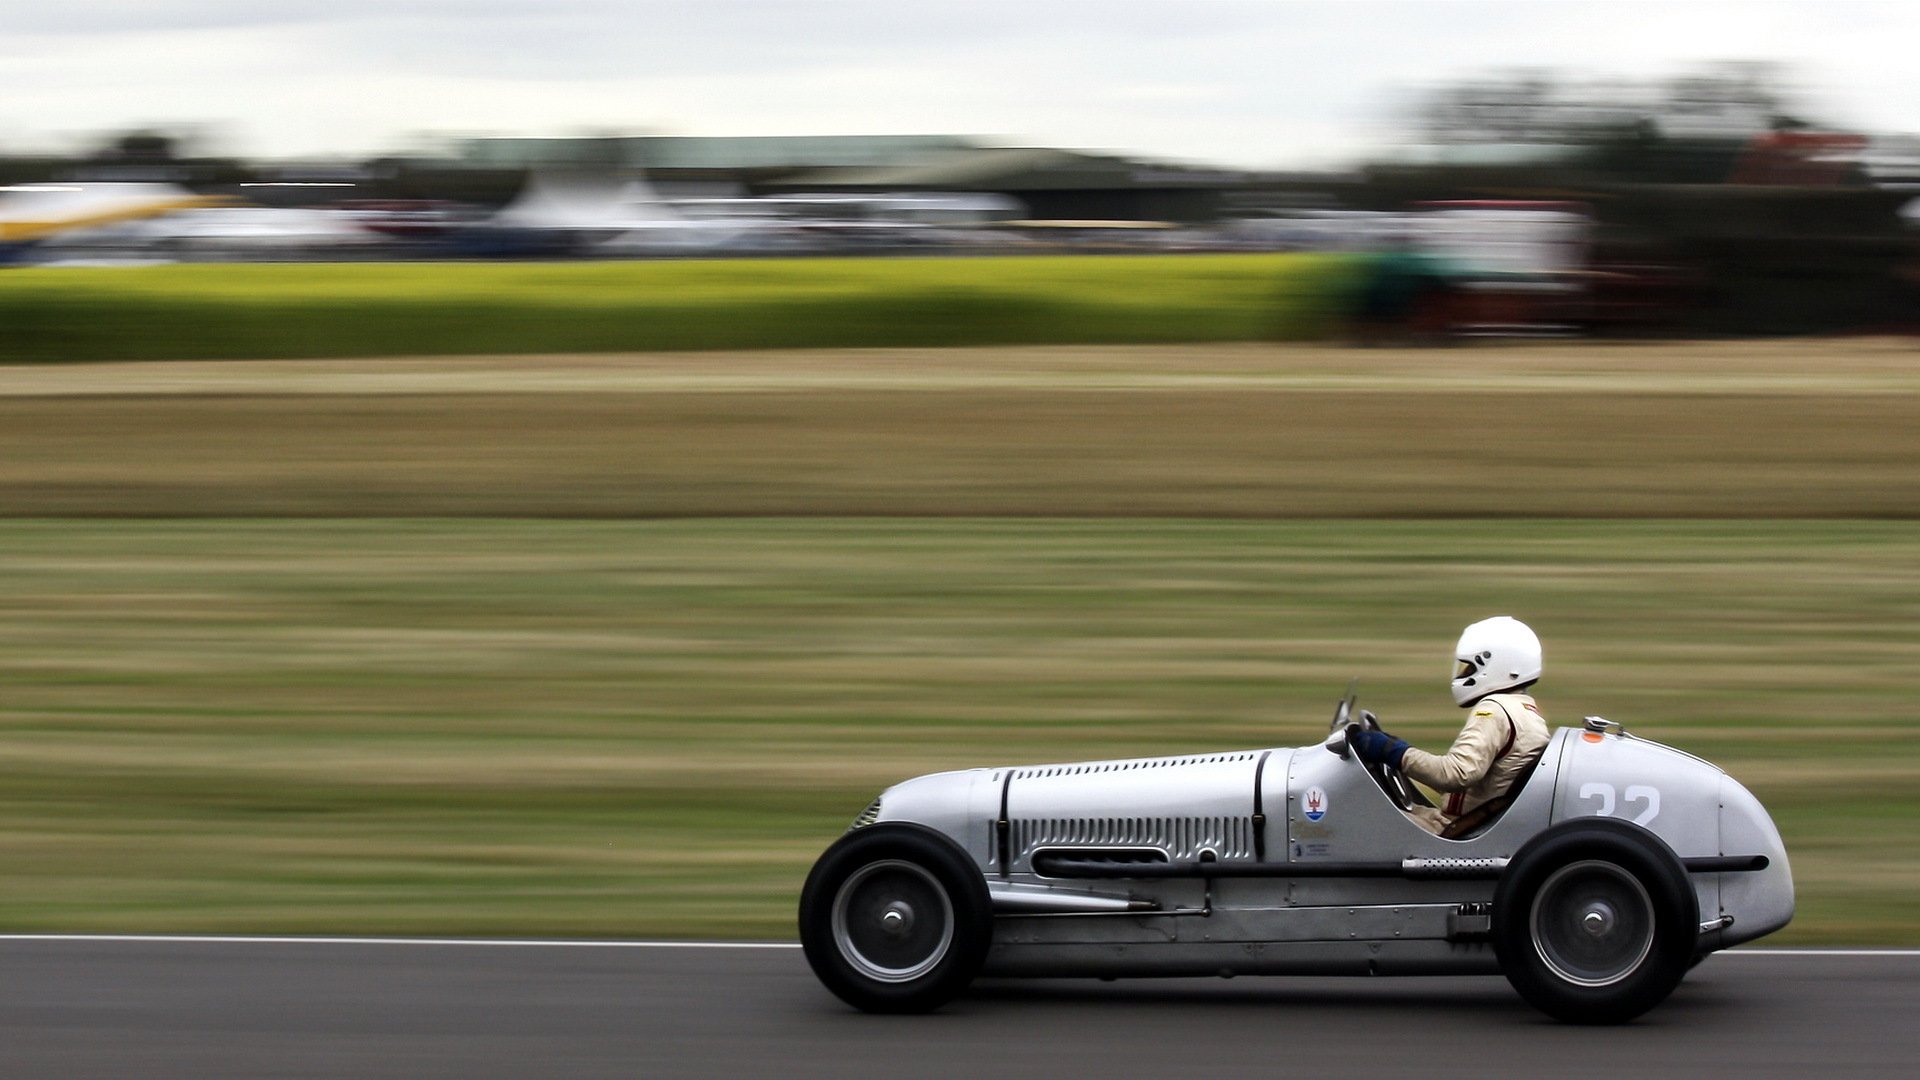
{"points": [[75, 1008]]}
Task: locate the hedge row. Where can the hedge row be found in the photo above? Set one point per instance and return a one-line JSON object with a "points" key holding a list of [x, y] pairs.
{"points": [[382, 309]]}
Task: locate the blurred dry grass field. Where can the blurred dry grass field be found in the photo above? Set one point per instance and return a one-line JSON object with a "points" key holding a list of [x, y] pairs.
{"points": [[637, 728], [370, 722], [1772, 429]]}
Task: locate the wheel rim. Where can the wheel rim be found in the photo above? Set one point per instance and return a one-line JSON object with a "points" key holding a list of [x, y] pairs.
{"points": [[892, 921], [1593, 923]]}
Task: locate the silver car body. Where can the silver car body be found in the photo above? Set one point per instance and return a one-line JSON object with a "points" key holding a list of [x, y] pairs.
{"points": [[1278, 830]]}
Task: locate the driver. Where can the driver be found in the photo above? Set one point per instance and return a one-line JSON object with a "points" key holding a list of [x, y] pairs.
{"points": [[1497, 659]]}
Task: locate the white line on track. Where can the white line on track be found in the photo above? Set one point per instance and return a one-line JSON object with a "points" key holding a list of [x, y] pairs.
{"points": [[1819, 952], [566, 943], [496, 943]]}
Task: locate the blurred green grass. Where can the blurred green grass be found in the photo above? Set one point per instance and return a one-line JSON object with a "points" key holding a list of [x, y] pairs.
{"points": [[394, 309], [651, 728]]}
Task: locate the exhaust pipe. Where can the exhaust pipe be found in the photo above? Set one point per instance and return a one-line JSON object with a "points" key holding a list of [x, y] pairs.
{"points": [[1020, 898]]}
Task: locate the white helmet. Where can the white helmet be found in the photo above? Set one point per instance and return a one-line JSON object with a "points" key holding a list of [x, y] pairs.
{"points": [[1493, 655]]}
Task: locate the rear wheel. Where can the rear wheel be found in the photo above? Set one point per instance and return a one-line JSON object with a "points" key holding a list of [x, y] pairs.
{"points": [[895, 918], [1595, 921]]}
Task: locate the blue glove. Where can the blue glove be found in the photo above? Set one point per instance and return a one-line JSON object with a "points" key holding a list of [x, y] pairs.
{"points": [[1378, 747]]}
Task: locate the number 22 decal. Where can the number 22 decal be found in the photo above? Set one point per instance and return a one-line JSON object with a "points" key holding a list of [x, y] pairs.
{"points": [[1637, 793]]}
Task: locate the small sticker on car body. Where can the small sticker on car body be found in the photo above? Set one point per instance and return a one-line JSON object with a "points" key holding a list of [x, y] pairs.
{"points": [[1313, 805]]}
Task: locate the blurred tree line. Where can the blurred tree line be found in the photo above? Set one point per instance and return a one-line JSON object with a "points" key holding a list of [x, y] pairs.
{"points": [[1690, 129], [1721, 173]]}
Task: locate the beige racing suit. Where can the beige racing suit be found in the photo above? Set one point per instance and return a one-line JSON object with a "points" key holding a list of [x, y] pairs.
{"points": [[1502, 738]]}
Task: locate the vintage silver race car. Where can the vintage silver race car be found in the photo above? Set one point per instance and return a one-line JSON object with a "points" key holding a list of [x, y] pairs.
{"points": [[1594, 885]]}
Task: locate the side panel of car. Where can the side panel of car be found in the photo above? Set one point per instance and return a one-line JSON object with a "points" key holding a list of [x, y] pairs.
{"points": [[1758, 903], [1674, 795], [1336, 812]]}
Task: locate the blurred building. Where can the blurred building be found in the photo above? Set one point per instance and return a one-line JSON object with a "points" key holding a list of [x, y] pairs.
{"points": [[1052, 184], [692, 159]]}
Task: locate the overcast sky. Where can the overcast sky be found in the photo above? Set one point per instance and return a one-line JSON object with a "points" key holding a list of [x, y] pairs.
{"points": [[1259, 82]]}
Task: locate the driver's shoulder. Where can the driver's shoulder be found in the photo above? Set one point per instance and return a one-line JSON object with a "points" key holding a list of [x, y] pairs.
{"points": [[1520, 708]]}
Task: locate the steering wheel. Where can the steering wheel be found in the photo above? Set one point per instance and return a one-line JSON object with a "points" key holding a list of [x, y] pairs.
{"points": [[1391, 780]]}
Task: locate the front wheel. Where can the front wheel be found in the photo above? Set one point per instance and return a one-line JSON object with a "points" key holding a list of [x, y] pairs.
{"points": [[895, 918], [1595, 921]]}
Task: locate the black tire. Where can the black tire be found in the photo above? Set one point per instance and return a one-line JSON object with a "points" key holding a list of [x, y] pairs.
{"points": [[1595, 921], [895, 918]]}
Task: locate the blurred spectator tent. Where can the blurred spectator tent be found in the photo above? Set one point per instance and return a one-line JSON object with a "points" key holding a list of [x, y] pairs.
{"points": [[616, 211]]}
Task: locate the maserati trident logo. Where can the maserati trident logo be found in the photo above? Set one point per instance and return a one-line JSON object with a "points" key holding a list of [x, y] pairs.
{"points": [[1314, 804]]}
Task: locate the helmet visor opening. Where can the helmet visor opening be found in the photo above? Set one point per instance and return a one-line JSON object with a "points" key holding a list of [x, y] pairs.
{"points": [[1464, 668]]}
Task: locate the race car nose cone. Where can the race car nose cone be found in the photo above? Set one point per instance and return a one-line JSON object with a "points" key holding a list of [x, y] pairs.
{"points": [[1598, 920], [897, 919]]}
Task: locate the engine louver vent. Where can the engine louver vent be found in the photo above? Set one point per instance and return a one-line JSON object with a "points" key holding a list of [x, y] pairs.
{"points": [[867, 817], [1179, 837]]}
